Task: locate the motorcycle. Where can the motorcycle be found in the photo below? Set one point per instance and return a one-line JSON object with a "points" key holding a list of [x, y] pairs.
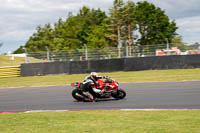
{"points": [[111, 86]]}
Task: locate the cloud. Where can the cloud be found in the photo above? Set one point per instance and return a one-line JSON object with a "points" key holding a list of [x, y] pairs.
{"points": [[179, 8], [19, 18], [189, 28]]}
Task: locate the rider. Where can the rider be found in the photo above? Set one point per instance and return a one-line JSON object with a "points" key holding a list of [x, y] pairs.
{"points": [[88, 82]]}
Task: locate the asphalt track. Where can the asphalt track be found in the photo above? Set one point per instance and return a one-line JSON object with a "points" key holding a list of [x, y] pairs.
{"points": [[156, 95]]}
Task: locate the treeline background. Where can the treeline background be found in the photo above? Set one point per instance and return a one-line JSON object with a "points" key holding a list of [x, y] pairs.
{"points": [[126, 23]]}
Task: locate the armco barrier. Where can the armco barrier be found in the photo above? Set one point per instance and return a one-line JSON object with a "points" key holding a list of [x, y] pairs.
{"points": [[36, 69], [10, 71], [109, 65], [112, 65], [162, 62]]}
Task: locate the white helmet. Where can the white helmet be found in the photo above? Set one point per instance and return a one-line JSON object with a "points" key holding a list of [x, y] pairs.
{"points": [[93, 74]]}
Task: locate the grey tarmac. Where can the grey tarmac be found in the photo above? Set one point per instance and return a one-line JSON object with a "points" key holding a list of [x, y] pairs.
{"points": [[153, 95]]}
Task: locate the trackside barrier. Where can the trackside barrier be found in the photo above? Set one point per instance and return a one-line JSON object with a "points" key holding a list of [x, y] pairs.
{"points": [[10, 71], [112, 65]]}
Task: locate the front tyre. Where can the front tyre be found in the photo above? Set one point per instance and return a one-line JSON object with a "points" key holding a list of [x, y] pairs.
{"points": [[76, 94], [120, 94]]}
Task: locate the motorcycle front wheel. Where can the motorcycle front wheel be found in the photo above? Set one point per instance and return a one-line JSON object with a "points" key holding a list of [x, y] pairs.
{"points": [[120, 94]]}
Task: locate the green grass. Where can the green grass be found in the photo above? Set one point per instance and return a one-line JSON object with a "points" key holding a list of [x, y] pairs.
{"points": [[133, 76], [6, 61], [102, 122]]}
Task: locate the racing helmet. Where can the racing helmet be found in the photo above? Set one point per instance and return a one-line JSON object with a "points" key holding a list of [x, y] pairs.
{"points": [[93, 74]]}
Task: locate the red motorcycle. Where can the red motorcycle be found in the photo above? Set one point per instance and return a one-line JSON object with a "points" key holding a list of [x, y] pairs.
{"points": [[111, 90]]}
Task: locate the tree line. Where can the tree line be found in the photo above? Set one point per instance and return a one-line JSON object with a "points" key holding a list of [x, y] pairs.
{"points": [[130, 23]]}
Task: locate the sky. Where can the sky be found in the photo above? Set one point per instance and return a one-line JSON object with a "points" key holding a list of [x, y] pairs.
{"points": [[19, 18]]}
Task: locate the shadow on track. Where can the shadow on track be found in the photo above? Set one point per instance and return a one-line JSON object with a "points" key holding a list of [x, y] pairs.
{"points": [[104, 100], [99, 100]]}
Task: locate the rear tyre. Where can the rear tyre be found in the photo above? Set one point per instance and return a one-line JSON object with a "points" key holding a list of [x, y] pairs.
{"points": [[76, 94]]}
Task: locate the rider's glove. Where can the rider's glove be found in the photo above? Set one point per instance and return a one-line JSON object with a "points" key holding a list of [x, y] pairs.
{"points": [[106, 77]]}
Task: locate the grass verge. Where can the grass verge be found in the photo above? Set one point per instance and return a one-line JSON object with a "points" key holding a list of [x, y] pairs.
{"points": [[102, 122], [132, 76], [15, 61]]}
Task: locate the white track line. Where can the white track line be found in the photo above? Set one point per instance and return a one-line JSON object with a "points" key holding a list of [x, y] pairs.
{"points": [[38, 111], [67, 85], [32, 111], [45, 111], [157, 109]]}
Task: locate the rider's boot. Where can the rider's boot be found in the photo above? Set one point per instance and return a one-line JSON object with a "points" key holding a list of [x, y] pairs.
{"points": [[90, 96]]}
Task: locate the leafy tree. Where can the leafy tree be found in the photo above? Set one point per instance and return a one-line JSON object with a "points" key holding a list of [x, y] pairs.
{"points": [[58, 35], [129, 23], [196, 45], [116, 22], [96, 37], [72, 27], [41, 39], [1, 44], [19, 50], [92, 22], [154, 25], [178, 42], [65, 33], [84, 13], [97, 30]]}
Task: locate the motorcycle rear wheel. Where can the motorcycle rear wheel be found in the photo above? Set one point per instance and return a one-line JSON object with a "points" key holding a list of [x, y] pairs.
{"points": [[75, 94]]}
